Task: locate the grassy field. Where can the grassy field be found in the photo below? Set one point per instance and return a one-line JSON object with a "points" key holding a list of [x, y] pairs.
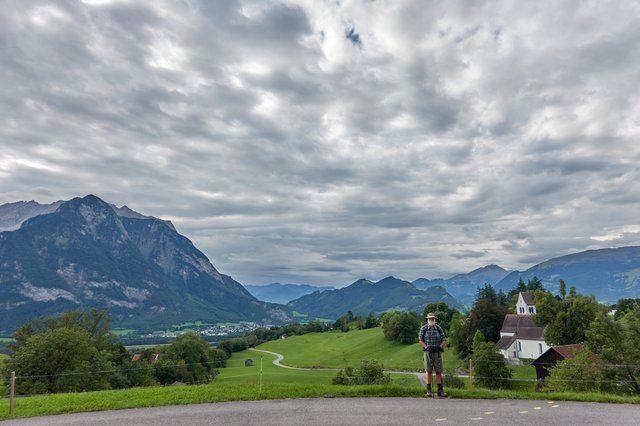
{"points": [[237, 373], [336, 349], [6, 340]]}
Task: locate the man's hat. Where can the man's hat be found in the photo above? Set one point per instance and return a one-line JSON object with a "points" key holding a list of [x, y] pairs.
{"points": [[431, 315]]}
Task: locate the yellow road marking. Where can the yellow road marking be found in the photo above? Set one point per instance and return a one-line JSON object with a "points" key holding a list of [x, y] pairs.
{"points": [[537, 408], [476, 418], [489, 412], [442, 419], [524, 412], [551, 402], [555, 406]]}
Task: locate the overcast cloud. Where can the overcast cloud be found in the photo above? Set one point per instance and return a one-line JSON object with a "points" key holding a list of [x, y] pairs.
{"points": [[322, 142]]}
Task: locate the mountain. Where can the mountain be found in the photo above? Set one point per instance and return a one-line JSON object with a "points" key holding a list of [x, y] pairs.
{"points": [[463, 286], [283, 293], [364, 296], [608, 274], [87, 253], [12, 215]]}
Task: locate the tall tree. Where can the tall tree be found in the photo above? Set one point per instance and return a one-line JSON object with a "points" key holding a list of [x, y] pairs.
{"points": [[443, 312], [566, 320], [618, 343]]}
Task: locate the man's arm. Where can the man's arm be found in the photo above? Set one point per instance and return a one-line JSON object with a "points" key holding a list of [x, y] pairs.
{"points": [[443, 338], [421, 339]]}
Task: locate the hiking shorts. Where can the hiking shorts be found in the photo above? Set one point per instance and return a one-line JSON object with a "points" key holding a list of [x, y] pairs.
{"points": [[433, 361]]}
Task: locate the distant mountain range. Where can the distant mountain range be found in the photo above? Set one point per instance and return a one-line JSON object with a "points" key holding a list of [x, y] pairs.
{"points": [[364, 296], [608, 274], [463, 286], [283, 293], [87, 253]]}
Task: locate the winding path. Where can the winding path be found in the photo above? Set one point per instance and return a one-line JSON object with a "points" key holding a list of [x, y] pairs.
{"points": [[280, 357]]}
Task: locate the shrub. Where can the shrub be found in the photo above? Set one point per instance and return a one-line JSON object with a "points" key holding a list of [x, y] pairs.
{"points": [[450, 379], [369, 373]]}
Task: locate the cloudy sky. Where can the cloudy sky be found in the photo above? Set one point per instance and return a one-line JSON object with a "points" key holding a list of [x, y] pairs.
{"points": [[321, 142]]}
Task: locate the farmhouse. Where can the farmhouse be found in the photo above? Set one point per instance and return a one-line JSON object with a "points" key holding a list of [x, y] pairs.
{"points": [[520, 338]]}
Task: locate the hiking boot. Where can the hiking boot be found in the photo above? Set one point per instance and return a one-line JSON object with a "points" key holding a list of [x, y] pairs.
{"points": [[441, 393], [429, 392]]}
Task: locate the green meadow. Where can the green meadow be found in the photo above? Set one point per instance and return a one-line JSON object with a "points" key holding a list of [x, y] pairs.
{"points": [[336, 349], [237, 372]]}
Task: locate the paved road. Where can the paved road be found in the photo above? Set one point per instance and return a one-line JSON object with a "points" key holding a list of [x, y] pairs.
{"points": [[358, 411]]}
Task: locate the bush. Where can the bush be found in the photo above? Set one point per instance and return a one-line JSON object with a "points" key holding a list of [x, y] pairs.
{"points": [[490, 370], [584, 373], [369, 373], [450, 379]]}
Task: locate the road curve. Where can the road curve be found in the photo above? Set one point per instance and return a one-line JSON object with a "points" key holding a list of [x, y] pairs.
{"points": [[357, 411]]}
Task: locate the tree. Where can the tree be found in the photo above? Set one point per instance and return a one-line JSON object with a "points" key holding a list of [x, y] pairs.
{"points": [[73, 351], [583, 373], [344, 322], [401, 326], [60, 360], [93, 321], [567, 319], [618, 344], [218, 358], [487, 317], [489, 366], [371, 321], [626, 305], [459, 335], [443, 312], [190, 355]]}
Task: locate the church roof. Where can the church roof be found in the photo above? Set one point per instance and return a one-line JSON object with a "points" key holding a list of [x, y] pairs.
{"points": [[527, 297], [522, 326], [505, 342]]}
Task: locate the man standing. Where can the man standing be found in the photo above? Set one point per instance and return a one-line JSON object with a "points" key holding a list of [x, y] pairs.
{"points": [[432, 340]]}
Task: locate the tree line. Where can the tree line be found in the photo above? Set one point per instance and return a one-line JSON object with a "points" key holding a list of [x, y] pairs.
{"points": [[76, 351]]}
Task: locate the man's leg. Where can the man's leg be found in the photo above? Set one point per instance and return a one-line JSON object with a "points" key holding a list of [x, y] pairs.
{"points": [[438, 368], [428, 367]]}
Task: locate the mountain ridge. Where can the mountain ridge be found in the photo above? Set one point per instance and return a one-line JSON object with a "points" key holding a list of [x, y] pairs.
{"points": [[84, 254], [283, 293], [609, 274], [364, 296]]}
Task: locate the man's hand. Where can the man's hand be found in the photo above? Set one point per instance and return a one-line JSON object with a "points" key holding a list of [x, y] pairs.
{"points": [[426, 348], [443, 344]]}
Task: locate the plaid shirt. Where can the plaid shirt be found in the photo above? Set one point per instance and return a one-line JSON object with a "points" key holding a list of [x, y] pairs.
{"points": [[431, 335]]}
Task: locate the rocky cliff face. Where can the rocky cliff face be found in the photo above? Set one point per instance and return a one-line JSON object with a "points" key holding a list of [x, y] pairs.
{"points": [[87, 253]]}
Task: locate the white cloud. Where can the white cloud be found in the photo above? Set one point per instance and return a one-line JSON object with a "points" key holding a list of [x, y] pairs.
{"points": [[445, 137]]}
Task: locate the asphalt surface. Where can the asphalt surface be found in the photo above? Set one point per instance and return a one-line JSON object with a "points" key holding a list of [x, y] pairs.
{"points": [[359, 411]]}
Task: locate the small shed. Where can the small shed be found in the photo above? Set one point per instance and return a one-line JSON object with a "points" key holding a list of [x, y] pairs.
{"points": [[248, 362], [552, 356]]}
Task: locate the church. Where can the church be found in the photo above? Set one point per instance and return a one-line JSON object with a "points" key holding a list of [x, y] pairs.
{"points": [[520, 338]]}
